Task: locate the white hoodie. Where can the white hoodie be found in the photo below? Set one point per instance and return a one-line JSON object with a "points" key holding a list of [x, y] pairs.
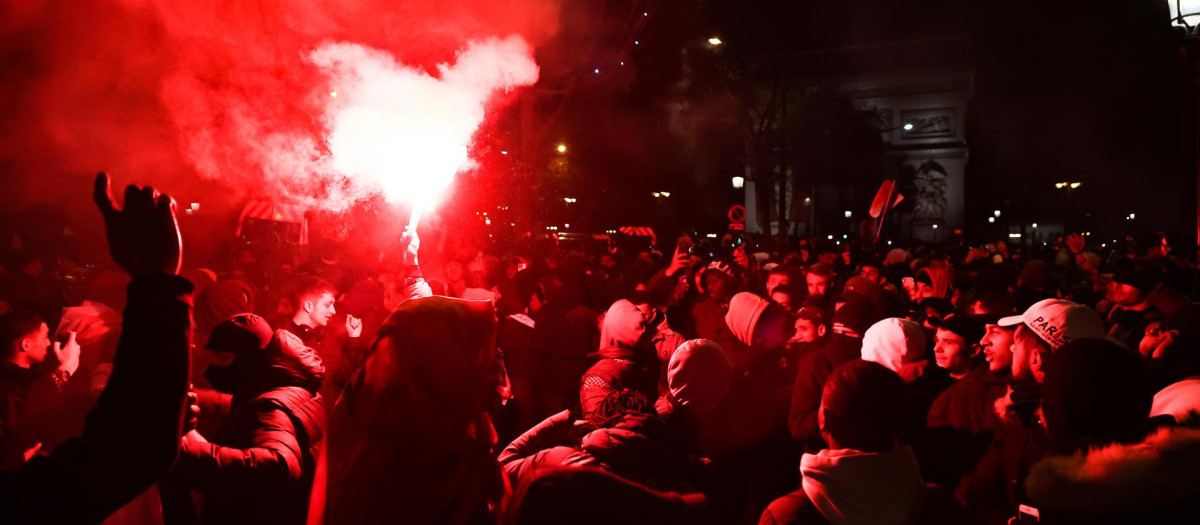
{"points": [[850, 487]]}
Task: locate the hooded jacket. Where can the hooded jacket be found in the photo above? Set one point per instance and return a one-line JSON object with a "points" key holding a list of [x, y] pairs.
{"points": [[762, 329], [849, 487], [627, 357], [260, 465], [411, 434]]}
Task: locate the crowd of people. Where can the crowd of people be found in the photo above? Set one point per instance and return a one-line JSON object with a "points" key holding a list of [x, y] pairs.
{"points": [[733, 381]]}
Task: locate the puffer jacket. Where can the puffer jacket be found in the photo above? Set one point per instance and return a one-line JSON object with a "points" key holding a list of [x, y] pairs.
{"points": [[259, 466]]}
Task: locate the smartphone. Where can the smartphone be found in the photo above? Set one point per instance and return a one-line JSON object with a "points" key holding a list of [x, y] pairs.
{"points": [[1027, 515]]}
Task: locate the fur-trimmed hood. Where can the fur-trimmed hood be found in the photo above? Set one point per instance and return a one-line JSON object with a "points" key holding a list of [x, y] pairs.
{"points": [[1159, 474]]}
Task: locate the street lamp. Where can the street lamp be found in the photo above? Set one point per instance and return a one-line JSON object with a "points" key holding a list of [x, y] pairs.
{"points": [[562, 148], [849, 214], [714, 41], [996, 213], [739, 183]]}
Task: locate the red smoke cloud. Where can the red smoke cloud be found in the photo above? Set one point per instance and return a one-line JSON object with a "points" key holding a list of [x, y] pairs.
{"points": [[184, 93]]}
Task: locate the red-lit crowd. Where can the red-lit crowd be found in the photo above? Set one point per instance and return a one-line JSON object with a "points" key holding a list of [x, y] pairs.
{"points": [[725, 381]]}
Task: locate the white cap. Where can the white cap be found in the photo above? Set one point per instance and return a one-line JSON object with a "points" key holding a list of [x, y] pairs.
{"points": [[1058, 322]]}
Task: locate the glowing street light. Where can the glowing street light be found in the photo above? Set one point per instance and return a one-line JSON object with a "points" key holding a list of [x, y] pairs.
{"points": [[569, 200], [991, 220], [714, 41], [996, 213], [562, 148], [739, 183], [908, 126], [849, 214]]}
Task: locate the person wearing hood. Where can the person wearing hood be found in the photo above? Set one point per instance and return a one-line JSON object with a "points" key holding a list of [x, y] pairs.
{"points": [[933, 282], [410, 439], [763, 328], [627, 357], [717, 284], [1108, 463], [259, 466], [899, 345], [851, 319], [865, 476]]}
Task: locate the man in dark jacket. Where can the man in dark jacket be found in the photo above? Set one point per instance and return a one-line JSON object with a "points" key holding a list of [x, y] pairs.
{"points": [[132, 436], [850, 321], [33, 372], [259, 466]]}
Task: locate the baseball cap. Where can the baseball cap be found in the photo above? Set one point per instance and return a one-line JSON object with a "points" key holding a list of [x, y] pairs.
{"points": [[1058, 322], [970, 328]]}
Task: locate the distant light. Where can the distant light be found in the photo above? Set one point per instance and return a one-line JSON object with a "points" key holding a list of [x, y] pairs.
{"points": [[622, 62], [1014, 236], [996, 213], [562, 148], [596, 71], [889, 243], [635, 42], [1103, 245], [711, 236], [908, 126], [195, 206], [569, 200], [808, 200], [644, 13], [1132, 216], [831, 237], [513, 224], [666, 194], [1076, 185], [566, 226], [487, 222], [333, 94], [849, 214], [1059, 185], [1035, 225], [935, 226], [656, 194], [844, 236], [839, 243], [714, 41], [991, 219], [504, 152], [739, 183]]}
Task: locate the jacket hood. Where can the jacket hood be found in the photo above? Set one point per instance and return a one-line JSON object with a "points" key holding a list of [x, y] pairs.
{"points": [[744, 311], [699, 376], [624, 326], [1157, 472], [849, 487], [894, 342]]}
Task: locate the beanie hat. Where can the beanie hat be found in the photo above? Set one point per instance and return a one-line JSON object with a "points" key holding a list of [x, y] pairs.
{"points": [[1143, 275], [699, 375], [1058, 322], [894, 342], [854, 314], [240, 334], [967, 327]]}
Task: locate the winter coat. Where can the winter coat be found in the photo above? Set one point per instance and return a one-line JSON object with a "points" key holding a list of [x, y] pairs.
{"points": [[411, 436], [813, 371], [31, 412], [132, 436], [639, 447], [959, 427], [1154, 481], [848, 487], [259, 466]]}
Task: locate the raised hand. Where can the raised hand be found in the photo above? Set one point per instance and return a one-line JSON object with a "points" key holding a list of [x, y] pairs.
{"points": [[67, 354], [353, 326], [143, 237], [411, 243]]}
